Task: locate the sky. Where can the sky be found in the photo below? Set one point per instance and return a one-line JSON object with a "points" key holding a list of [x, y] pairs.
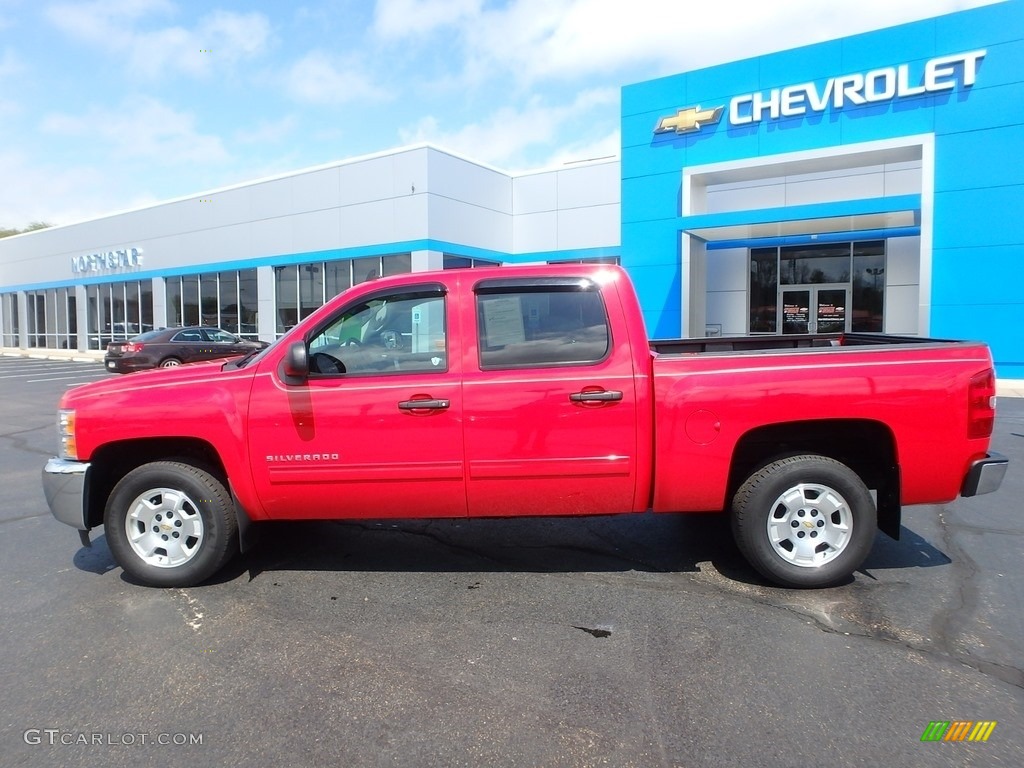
{"points": [[110, 105]]}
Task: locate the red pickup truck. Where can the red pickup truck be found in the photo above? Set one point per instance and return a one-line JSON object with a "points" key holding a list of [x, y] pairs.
{"points": [[526, 391]]}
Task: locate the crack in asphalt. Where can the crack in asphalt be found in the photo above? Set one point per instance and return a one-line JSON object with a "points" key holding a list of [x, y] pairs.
{"points": [[23, 517], [20, 444], [948, 622], [1011, 675]]}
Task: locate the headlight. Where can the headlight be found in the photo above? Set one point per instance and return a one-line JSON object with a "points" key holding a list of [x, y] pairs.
{"points": [[66, 433]]}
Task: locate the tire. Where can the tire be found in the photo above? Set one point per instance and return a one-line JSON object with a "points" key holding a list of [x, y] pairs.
{"points": [[170, 362], [804, 521], [170, 524]]}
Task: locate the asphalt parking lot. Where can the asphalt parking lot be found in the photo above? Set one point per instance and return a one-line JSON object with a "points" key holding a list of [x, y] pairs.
{"points": [[630, 641]]}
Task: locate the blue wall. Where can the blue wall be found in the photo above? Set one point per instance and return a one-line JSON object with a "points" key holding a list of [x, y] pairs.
{"points": [[978, 238]]}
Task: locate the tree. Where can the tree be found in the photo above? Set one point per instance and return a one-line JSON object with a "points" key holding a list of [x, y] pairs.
{"points": [[35, 225]]}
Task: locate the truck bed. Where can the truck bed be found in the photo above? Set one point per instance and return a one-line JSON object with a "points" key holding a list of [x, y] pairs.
{"points": [[782, 343]]}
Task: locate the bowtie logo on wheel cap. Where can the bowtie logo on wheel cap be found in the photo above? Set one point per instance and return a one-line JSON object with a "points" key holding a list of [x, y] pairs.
{"points": [[689, 120]]}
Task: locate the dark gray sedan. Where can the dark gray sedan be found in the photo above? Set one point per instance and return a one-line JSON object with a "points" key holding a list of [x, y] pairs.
{"points": [[170, 347]]}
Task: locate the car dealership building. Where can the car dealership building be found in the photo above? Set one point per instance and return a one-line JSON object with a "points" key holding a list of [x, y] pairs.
{"points": [[870, 183]]}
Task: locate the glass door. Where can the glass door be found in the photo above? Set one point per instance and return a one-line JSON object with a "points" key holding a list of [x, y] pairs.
{"points": [[830, 310], [815, 309], [796, 310]]}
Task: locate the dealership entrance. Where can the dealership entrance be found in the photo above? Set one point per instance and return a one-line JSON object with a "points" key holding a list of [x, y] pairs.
{"points": [[815, 309], [817, 288]]}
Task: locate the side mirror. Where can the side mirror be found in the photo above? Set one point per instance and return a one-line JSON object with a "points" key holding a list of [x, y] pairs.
{"points": [[295, 366]]}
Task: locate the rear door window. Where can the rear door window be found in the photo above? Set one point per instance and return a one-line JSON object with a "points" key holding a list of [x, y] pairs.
{"points": [[532, 326]]}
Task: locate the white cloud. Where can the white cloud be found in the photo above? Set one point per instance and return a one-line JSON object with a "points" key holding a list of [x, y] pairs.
{"points": [[220, 38], [508, 137], [95, 21], [399, 19], [58, 195], [609, 145], [318, 78], [10, 63], [142, 129], [541, 40], [267, 131]]}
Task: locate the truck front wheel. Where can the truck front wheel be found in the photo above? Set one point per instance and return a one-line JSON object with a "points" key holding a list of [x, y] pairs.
{"points": [[170, 524], [804, 521]]}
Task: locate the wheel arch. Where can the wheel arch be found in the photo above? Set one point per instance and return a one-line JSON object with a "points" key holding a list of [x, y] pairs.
{"points": [[113, 461], [867, 447]]}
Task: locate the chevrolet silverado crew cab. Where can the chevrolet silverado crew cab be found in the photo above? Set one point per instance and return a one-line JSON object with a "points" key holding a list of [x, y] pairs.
{"points": [[518, 391]]}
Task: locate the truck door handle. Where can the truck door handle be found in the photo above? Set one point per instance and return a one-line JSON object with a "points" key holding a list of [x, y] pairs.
{"points": [[424, 405], [599, 396]]}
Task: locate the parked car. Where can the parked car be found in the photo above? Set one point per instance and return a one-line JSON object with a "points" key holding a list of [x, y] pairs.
{"points": [[170, 347]]}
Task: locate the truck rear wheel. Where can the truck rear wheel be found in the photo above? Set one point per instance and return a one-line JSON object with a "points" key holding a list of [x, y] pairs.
{"points": [[804, 521], [170, 524]]}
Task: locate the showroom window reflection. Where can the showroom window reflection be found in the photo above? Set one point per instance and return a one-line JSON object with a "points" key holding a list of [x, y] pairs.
{"points": [[118, 311], [217, 299], [299, 289]]}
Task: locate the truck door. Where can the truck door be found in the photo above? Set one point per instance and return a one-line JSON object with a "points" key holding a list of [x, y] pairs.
{"points": [[549, 399], [376, 429]]}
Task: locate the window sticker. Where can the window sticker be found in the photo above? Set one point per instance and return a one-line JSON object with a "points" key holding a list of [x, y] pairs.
{"points": [[503, 321]]}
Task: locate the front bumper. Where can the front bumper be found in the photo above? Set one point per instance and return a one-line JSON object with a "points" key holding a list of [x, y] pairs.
{"points": [[985, 475], [64, 484]]}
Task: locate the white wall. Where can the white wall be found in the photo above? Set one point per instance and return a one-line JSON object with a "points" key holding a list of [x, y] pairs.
{"points": [[406, 195], [727, 276], [567, 208], [882, 180], [902, 285]]}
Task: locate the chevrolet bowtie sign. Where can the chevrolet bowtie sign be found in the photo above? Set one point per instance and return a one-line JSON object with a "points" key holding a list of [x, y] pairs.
{"points": [[689, 120], [879, 85]]}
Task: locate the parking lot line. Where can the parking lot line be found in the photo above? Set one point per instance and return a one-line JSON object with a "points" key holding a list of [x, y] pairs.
{"points": [[53, 378]]}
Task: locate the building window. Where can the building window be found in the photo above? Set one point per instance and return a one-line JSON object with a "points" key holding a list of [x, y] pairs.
{"points": [[190, 300], [236, 310], [9, 307], [61, 328], [868, 286], [464, 262], [118, 311], [172, 292], [817, 288], [247, 312], [225, 300], [300, 289], [396, 264], [591, 260], [36, 317], [764, 290]]}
